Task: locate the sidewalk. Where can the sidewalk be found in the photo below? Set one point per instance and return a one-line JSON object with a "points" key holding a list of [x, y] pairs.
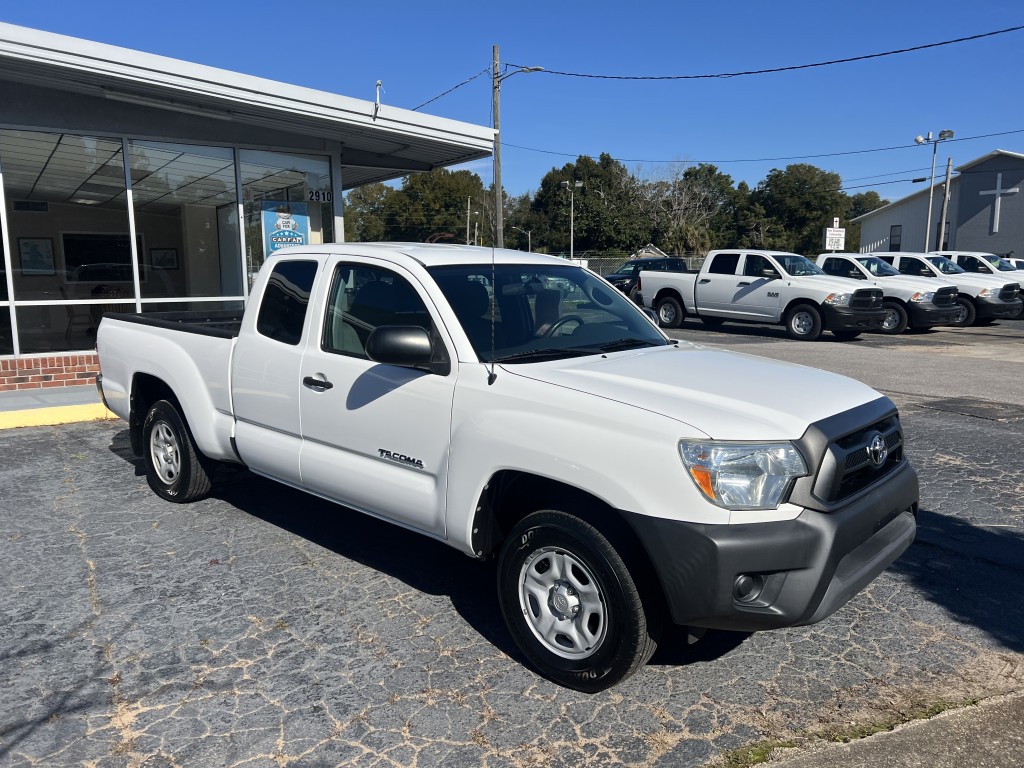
{"points": [[988, 735], [57, 405]]}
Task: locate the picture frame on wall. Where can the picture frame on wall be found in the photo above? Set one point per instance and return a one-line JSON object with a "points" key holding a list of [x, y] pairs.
{"points": [[36, 254], [163, 258]]}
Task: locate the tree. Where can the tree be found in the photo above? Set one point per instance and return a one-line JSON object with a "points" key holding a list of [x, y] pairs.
{"points": [[802, 200], [366, 210], [693, 210]]}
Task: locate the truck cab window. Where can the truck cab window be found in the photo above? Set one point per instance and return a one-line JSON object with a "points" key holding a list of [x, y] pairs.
{"points": [[724, 264], [363, 298], [285, 300]]}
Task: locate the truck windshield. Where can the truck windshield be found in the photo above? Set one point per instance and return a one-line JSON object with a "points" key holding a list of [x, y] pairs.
{"points": [[945, 266], [877, 267], [798, 265], [522, 313], [998, 262]]}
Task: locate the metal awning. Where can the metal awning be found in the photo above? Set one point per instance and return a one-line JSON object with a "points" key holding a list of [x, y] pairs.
{"points": [[378, 142]]}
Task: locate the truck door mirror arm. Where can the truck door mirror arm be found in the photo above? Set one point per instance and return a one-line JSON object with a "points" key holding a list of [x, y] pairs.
{"points": [[407, 346]]}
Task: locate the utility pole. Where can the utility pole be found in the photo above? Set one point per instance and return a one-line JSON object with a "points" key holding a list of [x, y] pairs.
{"points": [[945, 205], [468, 199], [499, 231]]}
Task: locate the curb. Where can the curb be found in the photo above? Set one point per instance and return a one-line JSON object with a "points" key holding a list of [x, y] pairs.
{"points": [[46, 417]]}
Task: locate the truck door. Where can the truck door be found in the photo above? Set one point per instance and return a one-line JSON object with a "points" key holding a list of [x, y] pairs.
{"points": [[265, 373], [758, 289], [375, 437], [717, 285]]}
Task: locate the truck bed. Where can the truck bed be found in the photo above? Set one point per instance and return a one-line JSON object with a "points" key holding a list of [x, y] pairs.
{"points": [[223, 323]]}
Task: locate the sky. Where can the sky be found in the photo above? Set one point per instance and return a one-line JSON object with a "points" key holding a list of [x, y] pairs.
{"points": [[835, 117]]}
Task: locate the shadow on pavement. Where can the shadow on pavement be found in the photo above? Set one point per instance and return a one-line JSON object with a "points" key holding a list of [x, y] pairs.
{"points": [[972, 571]]}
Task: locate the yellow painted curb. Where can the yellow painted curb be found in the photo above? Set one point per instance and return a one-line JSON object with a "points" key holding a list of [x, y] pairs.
{"points": [[44, 417]]}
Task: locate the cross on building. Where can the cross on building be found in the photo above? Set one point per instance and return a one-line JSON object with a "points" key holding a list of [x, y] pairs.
{"points": [[998, 192]]}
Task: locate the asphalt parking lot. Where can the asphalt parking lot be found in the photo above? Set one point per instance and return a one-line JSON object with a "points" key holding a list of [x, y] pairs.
{"points": [[263, 627]]}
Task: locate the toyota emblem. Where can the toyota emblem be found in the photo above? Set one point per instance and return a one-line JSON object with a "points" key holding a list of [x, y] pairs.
{"points": [[877, 450]]}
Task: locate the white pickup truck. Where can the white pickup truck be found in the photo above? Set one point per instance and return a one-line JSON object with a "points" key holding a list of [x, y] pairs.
{"points": [[977, 262], [914, 302], [516, 406], [765, 287], [981, 298]]}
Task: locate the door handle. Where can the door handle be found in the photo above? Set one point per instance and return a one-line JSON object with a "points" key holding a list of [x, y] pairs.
{"points": [[705, 280], [745, 283], [320, 384]]}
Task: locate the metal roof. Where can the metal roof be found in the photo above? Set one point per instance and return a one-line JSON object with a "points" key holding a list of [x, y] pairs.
{"points": [[378, 141]]}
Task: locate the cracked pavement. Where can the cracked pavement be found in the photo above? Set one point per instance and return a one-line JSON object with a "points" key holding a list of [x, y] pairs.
{"points": [[264, 627]]}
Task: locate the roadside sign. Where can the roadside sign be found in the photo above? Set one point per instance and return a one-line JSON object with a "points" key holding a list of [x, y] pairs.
{"points": [[835, 238]]}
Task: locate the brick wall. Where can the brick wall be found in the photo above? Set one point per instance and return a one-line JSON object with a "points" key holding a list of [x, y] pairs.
{"points": [[47, 371]]}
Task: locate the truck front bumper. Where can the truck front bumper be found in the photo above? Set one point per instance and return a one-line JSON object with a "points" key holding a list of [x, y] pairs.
{"points": [[988, 308], [847, 319], [768, 575], [926, 315]]}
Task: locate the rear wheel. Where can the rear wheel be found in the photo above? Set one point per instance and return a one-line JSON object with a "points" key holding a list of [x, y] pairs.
{"points": [[966, 313], [174, 468], [571, 603], [803, 322], [895, 318], [670, 312]]}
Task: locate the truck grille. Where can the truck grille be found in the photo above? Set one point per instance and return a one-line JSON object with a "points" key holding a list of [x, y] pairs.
{"points": [[1009, 292], [945, 297], [856, 461], [867, 298]]}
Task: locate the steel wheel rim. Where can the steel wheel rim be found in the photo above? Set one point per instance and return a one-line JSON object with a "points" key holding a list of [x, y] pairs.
{"points": [[562, 604], [961, 314], [667, 313], [891, 320], [165, 452], [803, 323]]}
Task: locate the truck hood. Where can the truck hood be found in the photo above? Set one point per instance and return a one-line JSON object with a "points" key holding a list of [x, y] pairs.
{"points": [[828, 283], [725, 395], [970, 280], [911, 283]]}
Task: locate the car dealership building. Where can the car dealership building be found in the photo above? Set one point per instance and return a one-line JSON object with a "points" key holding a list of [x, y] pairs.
{"points": [[135, 182]]}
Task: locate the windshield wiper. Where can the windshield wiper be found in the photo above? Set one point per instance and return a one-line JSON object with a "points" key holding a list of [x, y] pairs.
{"points": [[544, 354], [621, 344]]}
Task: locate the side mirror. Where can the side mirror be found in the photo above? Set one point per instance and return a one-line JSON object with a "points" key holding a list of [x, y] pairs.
{"points": [[407, 346], [651, 315], [769, 273]]}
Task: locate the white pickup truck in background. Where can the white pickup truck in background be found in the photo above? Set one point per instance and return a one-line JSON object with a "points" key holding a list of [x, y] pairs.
{"points": [[981, 298], [765, 287], [515, 406], [909, 302], [988, 264]]}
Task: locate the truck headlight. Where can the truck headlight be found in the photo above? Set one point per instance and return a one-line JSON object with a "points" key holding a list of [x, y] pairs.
{"points": [[741, 476], [923, 297], [838, 299], [988, 293]]}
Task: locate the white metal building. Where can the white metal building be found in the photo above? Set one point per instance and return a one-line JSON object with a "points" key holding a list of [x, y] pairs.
{"points": [[138, 182], [985, 211]]}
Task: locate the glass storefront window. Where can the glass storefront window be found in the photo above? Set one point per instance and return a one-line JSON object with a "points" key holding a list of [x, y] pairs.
{"points": [[186, 217], [288, 200]]}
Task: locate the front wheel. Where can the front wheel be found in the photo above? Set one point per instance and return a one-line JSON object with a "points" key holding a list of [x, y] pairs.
{"points": [[803, 322], [895, 318], [571, 604], [174, 468], [966, 314]]}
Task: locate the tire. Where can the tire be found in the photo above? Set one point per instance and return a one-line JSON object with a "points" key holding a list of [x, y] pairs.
{"points": [[803, 322], [635, 296], [572, 605], [967, 314], [846, 335], [174, 468], [670, 312], [712, 322], [896, 319]]}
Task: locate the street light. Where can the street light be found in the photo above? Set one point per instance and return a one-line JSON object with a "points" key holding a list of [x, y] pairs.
{"points": [[529, 238], [943, 136], [496, 81], [572, 213]]}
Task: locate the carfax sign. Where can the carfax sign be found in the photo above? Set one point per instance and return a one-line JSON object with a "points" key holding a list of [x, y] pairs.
{"points": [[284, 224]]}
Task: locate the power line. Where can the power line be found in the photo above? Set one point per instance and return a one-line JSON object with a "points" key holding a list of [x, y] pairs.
{"points": [[468, 80], [791, 68], [761, 159]]}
